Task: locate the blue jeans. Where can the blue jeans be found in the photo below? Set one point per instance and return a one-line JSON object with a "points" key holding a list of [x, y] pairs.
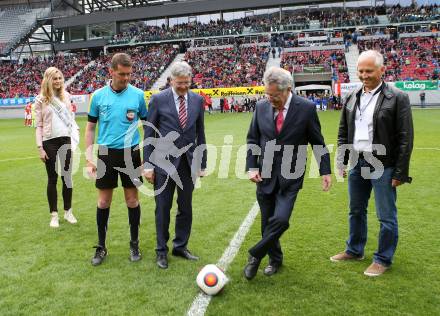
{"points": [[359, 190]]}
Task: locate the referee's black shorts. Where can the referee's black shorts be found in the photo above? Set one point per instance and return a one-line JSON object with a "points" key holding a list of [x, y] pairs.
{"points": [[107, 174]]}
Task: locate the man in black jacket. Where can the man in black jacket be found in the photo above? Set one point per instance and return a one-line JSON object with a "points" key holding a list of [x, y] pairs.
{"points": [[376, 135]]}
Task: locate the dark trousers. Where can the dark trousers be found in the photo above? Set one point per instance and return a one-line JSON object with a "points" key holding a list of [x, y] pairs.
{"points": [[164, 202], [276, 209], [58, 149]]}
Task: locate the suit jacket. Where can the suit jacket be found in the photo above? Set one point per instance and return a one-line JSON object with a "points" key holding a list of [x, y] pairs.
{"points": [[301, 127], [162, 114], [392, 128]]}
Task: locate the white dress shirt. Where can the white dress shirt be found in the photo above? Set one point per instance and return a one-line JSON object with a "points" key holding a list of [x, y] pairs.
{"points": [[363, 133], [286, 107], [177, 101]]}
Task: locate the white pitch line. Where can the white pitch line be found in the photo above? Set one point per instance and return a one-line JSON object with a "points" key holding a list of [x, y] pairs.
{"points": [[34, 157], [201, 301], [427, 148], [14, 159], [417, 148]]}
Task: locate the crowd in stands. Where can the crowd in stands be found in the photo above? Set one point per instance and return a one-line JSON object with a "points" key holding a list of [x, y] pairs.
{"points": [[332, 18], [221, 41], [141, 32], [230, 67], [408, 59], [317, 61], [148, 64], [290, 20], [308, 39], [397, 14], [23, 79]]}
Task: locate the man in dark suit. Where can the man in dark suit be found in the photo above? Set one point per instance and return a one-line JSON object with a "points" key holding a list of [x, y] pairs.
{"points": [[376, 122], [282, 126], [176, 126]]}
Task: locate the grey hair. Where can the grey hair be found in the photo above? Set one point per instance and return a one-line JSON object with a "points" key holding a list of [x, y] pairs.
{"points": [[279, 76], [181, 69], [378, 58]]}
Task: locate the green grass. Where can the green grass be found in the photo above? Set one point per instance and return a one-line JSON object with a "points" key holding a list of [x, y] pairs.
{"points": [[46, 271]]}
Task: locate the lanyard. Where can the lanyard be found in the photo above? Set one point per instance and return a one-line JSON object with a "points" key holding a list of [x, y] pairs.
{"points": [[369, 101]]}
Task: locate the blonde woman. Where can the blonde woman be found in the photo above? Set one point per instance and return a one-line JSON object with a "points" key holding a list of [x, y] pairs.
{"points": [[54, 124]]}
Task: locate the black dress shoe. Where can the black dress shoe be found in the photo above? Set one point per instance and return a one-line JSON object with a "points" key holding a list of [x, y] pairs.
{"points": [[162, 261], [271, 269], [184, 254], [250, 270]]}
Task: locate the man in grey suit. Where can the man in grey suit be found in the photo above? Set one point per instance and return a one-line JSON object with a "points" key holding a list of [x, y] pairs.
{"points": [[282, 126], [376, 122], [176, 121]]}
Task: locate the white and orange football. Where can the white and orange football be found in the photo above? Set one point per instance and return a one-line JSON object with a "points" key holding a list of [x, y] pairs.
{"points": [[211, 279]]}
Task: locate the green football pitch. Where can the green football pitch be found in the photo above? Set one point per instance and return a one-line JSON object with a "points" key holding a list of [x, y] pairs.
{"points": [[46, 271]]}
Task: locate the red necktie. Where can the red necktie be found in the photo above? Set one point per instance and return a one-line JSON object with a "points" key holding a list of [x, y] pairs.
{"points": [[279, 120], [182, 111]]}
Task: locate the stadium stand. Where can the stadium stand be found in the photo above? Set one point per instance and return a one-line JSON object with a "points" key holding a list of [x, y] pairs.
{"points": [[149, 62], [309, 39], [332, 18], [412, 13], [415, 58], [330, 60], [221, 41], [229, 67], [292, 20], [22, 79]]}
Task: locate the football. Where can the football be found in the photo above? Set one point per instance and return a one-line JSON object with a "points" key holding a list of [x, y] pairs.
{"points": [[211, 279]]}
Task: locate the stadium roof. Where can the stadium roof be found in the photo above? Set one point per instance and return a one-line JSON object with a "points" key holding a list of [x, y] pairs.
{"points": [[134, 10], [89, 6], [101, 5]]}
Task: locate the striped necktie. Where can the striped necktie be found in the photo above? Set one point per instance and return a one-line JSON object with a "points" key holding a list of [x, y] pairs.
{"points": [[182, 111]]}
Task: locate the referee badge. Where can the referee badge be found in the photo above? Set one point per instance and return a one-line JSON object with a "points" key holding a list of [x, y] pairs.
{"points": [[130, 115]]}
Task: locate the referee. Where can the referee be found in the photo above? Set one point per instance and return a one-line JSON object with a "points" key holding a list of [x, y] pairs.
{"points": [[116, 107]]}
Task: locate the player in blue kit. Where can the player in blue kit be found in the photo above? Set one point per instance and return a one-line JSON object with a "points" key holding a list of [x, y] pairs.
{"points": [[115, 108]]}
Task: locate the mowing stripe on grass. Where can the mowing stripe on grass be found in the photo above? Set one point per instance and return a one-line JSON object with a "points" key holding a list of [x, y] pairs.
{"points": [[201, 301]]}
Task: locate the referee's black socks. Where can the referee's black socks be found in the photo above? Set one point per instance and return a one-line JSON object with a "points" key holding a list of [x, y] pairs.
{"points": [[134, 217], [102, 215]]}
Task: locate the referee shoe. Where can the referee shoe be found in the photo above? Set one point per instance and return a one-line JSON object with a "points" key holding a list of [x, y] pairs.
{"points": [[135, 254], [100, 254]]}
